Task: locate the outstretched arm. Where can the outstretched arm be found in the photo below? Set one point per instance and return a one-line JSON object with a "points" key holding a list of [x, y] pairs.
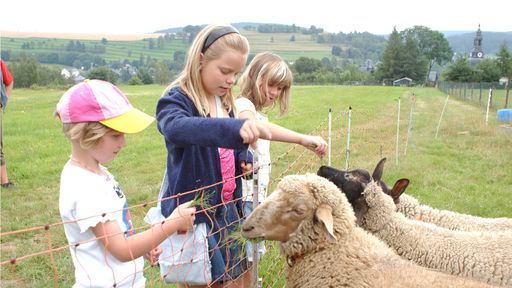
{"points": [[278, 133], [314, 143], [135, 246]]}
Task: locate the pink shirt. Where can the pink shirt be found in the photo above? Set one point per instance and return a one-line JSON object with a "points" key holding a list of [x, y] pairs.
{"points": [[227, 163], [227, 166]]}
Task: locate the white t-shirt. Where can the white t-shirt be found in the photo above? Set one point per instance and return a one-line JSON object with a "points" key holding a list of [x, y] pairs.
{"points": [[84, 197], [262, 155]]}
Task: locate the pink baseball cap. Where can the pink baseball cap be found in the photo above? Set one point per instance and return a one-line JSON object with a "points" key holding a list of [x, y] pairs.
{"points": [[101, 101]]}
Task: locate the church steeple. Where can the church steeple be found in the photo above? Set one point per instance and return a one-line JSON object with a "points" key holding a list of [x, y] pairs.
{"points": [[477, 51]]}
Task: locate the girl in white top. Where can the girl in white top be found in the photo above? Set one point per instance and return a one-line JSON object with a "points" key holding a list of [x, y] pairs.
{"points": [[267, 80], [105, 249]]}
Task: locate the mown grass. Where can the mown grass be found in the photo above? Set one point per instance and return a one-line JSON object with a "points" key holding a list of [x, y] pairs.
{"points": [[466, 168]]}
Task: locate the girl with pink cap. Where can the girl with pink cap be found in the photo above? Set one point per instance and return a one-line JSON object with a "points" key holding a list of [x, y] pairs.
{"points": [[105, 249]]}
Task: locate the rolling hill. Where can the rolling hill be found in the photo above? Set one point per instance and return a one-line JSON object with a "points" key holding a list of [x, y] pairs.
{"points": [[158, 45]]}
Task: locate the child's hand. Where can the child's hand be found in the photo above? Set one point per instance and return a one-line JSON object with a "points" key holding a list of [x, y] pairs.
{"points": [[246, 168], [251, 130], [183, 216], [152, 256], [316, 144]]}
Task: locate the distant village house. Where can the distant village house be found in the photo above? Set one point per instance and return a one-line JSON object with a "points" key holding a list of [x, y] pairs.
{"points": [[72, 73], [405, 81]]}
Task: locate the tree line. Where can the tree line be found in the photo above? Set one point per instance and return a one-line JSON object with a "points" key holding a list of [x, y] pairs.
{"points": [[410, 53]]}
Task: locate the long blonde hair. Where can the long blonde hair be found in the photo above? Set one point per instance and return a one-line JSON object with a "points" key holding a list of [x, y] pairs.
{"points": [[269, 69], [190, 78]]}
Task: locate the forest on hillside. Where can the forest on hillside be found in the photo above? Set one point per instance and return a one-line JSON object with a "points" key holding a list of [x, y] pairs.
{"points": [[315, 57]]}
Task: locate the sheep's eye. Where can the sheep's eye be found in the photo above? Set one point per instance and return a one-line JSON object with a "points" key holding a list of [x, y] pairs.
{"points": [[347, 177], [300, 210]]}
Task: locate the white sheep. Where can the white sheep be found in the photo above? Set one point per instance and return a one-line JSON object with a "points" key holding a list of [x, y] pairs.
{"points": [[351, 183], [411, 208], [480, 255], [324, 247]]}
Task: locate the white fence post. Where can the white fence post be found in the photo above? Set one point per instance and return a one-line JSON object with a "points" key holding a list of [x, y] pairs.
{"points": [[255, 202], [348, 138], [397, 131], [409, 128], [488, 105], [329, 139], [442, 112]]}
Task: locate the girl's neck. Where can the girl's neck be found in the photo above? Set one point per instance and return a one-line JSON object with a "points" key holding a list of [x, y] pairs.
{"points": [[81, 158], [91, 168], [213, 106]]}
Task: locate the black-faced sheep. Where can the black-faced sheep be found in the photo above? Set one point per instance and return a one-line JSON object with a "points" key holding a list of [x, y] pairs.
{"points": [[408, 205], [324, 247], [481, 255]]}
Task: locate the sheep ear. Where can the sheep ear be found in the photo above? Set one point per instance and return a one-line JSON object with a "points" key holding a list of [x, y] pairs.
{"points": [[377, 172], [399, 188], [324, 214]]}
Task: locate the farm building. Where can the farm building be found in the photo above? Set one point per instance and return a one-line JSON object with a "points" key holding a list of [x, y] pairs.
{"points": [[402, 82], [433, 77]]}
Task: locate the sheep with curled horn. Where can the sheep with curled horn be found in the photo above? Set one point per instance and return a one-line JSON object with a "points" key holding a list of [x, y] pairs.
{"points": [[352, 182], [323, 246], [483, 256]]}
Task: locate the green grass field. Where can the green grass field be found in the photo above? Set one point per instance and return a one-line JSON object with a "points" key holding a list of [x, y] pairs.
{"points": [[467, 168]]}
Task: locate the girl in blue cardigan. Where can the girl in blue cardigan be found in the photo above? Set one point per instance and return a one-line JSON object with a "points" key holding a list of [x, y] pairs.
{"points": [[207, 146]]}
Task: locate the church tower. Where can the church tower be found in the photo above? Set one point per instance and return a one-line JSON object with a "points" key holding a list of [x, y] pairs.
{"points": [[477, 52]]}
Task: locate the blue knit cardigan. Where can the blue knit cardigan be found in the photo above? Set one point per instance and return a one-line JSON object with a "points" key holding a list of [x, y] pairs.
{"points": [[192, 143]]}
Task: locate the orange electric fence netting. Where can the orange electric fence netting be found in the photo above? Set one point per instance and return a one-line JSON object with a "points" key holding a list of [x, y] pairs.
{"points": [[54, 256]]}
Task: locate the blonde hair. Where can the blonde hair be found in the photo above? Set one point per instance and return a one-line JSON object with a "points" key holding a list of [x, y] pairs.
{"points": [[190, 78], [266, 69], [88, 134]]}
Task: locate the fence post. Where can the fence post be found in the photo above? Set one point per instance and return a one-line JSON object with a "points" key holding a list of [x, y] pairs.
{"points": [[329, 138], [489, 99], [442, 112], [472, 89], [480, 98], [347, 152], [410, 124], [255, 202], [506, 94], [397, 131]]}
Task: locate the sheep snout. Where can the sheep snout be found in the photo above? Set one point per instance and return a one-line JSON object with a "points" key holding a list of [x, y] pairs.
{"points": [[247, 228]]}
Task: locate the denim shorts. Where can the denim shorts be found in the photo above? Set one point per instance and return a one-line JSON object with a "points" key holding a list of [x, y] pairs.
{"points": [[227, 255]]}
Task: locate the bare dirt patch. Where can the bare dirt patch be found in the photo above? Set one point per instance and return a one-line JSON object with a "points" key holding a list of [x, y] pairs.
{"points": [[79, 36]]}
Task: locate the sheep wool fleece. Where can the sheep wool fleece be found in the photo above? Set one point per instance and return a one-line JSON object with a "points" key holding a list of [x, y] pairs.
{"points": [[412, 209], [482, 256], [356, 258]]}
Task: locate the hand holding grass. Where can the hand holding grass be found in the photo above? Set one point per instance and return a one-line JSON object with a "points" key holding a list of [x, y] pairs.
{"points": [[183, 216], [152, 256]]}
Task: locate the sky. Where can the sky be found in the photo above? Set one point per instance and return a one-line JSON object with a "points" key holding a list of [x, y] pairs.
{"points": [[147, 16]]}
